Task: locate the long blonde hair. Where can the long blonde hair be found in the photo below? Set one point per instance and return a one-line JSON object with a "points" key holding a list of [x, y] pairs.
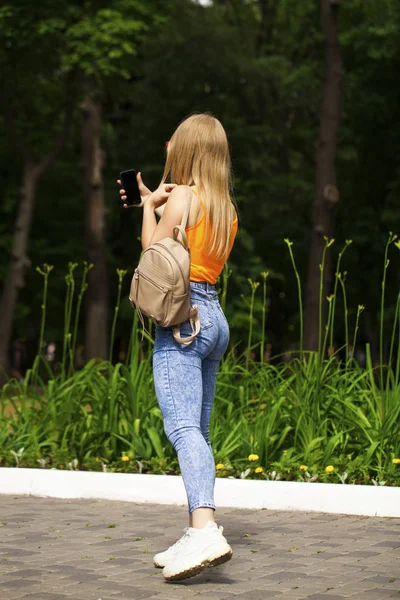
{"points": [[198, 154]]}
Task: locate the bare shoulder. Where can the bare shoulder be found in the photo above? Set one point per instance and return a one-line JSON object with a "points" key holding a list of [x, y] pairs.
{"points": [[180, 192], [178, 200]]}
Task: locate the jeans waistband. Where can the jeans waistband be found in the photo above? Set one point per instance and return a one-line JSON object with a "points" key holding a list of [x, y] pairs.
{"points": [[203, 285]]}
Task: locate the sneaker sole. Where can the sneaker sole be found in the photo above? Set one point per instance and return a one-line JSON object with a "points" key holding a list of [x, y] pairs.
{"points": [[214, 562]]}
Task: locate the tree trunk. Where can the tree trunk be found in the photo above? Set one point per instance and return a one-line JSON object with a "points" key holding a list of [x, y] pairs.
{"points": [[33, 171], [96, 329], [19, 260], [327, 195]]}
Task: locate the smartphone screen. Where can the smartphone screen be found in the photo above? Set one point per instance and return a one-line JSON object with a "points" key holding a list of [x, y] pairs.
{"points": [[131, 187]]}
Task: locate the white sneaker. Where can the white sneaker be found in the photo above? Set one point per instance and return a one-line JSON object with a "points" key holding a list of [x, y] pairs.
{"points": [[200, 548], [163, 558]]}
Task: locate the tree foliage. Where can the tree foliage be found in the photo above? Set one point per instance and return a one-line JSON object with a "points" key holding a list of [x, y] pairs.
{"points": [[257, 65]]}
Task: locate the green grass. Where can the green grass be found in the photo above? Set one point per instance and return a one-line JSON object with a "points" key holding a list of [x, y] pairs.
{"points": [[312, 412]]}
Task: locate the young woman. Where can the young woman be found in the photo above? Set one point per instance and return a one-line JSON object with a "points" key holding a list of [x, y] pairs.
{"points": [[198, 165]]}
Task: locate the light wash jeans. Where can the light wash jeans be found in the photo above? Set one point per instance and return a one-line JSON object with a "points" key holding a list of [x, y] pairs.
{"points": [[185, 378]]}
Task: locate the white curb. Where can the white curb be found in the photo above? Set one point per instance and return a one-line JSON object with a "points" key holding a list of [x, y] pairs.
{"points": [[168, 489]]}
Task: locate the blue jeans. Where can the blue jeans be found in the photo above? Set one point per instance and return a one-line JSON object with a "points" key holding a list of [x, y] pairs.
{"points": [[185, 378]]}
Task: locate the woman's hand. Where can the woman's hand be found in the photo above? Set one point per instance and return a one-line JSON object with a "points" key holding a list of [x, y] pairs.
{"points": [[145, 193], [153, 200], [159, 197]]}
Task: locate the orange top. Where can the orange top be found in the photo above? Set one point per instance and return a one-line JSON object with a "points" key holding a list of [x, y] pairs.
{"points": [[204, 267]]}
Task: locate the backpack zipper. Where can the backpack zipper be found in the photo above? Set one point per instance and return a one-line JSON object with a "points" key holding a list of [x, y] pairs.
{"points": [[157, 285]]}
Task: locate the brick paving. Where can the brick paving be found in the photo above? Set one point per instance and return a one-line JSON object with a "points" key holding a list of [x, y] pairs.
{"points": [[97, 549]]}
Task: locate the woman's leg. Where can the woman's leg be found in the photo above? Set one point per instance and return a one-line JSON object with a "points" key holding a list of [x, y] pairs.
{"points": [[179, 388], [201, 516], [210, 369], [205, 544], [209, 373], [210, 366]]}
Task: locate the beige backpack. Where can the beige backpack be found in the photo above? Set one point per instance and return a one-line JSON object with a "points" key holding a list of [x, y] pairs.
{"points": [[160, 287]]}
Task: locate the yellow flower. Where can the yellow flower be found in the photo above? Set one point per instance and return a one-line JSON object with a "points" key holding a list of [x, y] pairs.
{"points": [[329, 469], [396, 461], [284, 452], [259, 470], [124, 457], [253, 457], [303, 468], [220, 466]]}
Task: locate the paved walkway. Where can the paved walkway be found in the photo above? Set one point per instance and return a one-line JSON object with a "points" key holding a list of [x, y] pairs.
{"points": [[91, 549]]}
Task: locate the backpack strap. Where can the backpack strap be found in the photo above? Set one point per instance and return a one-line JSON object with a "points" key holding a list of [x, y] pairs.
{"points": [[195, 325], [180, 229], [185, 215], [194, 318]]}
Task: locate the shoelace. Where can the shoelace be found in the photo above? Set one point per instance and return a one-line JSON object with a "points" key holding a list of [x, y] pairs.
{"points": [[183, 539]]}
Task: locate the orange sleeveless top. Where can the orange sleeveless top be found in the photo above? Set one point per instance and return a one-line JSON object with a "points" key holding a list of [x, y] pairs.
{"points": [[204, 267]]}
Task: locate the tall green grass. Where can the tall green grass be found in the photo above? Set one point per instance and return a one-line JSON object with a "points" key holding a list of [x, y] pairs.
{"points": [[315, 410]]}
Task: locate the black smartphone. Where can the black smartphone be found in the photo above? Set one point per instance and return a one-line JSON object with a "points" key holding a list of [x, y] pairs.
{"points": [[131, 187]]}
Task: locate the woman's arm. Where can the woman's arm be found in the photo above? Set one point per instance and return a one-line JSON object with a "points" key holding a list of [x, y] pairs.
{"points": [[149, 224], [172, 216]]}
